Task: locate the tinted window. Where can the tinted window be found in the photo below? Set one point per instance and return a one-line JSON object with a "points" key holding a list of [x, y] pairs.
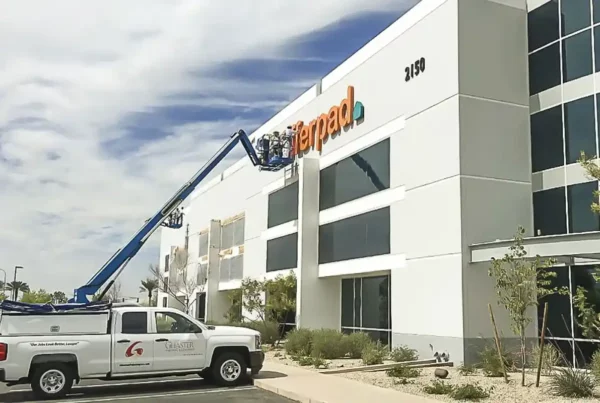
{"points": [[232, 234], [581, 216], [282, 253], [348, 302], [355, 237], [542, 25], [549, 215], [597, 46], [544, 69], [582, 276], [134, 323], [375, 302], [164, 302], [283, 205], [169, 322], [166, 263], [559, 316], [547, 139], [577, 56], [575, 15], [361, 174], [203, 244], [596, 6], [580, 130]]}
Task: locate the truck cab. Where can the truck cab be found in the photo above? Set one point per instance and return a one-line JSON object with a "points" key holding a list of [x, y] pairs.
{"points": [[53, 350]]}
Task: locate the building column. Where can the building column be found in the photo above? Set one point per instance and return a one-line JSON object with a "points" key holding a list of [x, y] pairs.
{"points": [[216, 301], [318, 300]]}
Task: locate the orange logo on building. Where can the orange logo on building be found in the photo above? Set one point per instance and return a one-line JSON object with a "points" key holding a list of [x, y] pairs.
{"points": [[327, 124]]}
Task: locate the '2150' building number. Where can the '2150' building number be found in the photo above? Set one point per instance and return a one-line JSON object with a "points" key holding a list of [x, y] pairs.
{"points": [[414, 69]]}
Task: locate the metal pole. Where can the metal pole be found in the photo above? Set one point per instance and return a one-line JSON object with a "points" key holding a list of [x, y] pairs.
{"points": [[15, 291]]}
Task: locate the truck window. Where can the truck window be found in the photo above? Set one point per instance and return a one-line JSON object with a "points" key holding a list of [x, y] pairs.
{"points": [[169, 322], [134, 323]]}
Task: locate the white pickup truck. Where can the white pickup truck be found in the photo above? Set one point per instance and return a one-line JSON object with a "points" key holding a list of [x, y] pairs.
{"points": [[52, 350]]}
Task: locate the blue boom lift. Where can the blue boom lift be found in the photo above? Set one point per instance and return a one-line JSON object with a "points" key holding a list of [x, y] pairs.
{"points": [[170, 216]]}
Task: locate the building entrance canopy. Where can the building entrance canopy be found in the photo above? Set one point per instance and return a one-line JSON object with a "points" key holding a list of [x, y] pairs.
{"points": [[567, 248]]}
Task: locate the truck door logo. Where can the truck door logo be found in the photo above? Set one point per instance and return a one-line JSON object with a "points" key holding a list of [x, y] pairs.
{"points": [[130, 352]]}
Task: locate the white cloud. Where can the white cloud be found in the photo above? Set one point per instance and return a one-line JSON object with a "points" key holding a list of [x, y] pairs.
{"points": [[70, 71]]}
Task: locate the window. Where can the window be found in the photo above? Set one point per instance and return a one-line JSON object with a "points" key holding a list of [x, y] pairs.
{"points": [[231, 268], [355, 237], [201, 306], [164, 304], [169, 322], [543, 25], [134, 323], [547, 139], [232, 234], [166, 263], [580, 128], [166, 284], [282, 253], [203, 244], [562, 328], [577, 56], [202, 273], [549, 212], [366, 307], [597, 45], [581, 217], [359, 175], [283, 205], [596, 7], [575, 15], [544, 69]]}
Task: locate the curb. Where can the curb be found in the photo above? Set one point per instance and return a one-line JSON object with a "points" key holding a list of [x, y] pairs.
{"points": [[284, 393]]}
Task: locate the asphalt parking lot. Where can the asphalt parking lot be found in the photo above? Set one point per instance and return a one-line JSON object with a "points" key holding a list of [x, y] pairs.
{"points": [[180, 389]]}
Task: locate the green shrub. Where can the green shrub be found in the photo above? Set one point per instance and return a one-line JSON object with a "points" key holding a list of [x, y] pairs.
{"points": [[570, 382], [328, 344], [595, 366], [470, 391], [467, 369], [403, 371], [438, 387], [355, 343], [269, 331], [403, 353], [550, 359], [373, 353], [490, 362], [304, 361], [318, 362], [299, 342]]}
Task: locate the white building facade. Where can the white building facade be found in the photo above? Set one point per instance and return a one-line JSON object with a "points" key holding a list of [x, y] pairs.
{"points": [[378, 218]]}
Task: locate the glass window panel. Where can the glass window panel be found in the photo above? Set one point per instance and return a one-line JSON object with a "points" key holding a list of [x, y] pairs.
{"points": [[549, 212], [357, 302], [238, 232], [236, 267], [583, 353], [580, 128], [544, 69], [282, 253], [355, 237], [547, 139], [201, 306], [348, 302], [359, 175], [203, 245], [134, 323], [226, 236], [577, 56], [558, 323], [283, 205], [582, 276], [575, 15], [375, 302], [224, 266], [597, 46], [542, 25], [581, 216], [596, 7]]}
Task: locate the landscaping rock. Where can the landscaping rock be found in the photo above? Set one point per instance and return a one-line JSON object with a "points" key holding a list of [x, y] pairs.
{"points": [[441, 373]]}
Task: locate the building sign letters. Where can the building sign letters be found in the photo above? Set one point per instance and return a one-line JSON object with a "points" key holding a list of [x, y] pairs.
{"points": [[414, 69], [327, 124]]}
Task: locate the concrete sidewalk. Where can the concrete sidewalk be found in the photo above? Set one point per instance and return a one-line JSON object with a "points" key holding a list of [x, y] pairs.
{"points": [[308, 386]]}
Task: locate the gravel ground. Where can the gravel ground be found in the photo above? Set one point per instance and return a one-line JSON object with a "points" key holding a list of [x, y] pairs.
{"points": [[501, 392]]}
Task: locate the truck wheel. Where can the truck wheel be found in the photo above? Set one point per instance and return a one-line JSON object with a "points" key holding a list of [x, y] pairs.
{"points": [[229, 369], [52, 381]]}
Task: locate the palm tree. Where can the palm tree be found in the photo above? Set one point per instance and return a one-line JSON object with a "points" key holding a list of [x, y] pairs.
{"points": [[149, 285], [16, 287]]}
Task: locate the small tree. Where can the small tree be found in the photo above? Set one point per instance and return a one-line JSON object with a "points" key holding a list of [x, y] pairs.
{"points": [[149, 286], [520, 282], [59, 297], [37, 297], [183, 283]]}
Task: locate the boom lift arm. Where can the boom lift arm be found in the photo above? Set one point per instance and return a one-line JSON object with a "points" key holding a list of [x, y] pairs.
{"points": [[169, 216]]}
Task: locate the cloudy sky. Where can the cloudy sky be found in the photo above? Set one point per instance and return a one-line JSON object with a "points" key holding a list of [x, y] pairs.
{"points": [[107, 107]]}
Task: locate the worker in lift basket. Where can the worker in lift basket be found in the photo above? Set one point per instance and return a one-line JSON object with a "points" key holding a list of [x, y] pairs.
{"points": [[287, 141], [276, 144], [262, 148]]}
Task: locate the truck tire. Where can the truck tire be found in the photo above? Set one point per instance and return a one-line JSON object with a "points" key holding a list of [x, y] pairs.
{"points": [[52, 381], [229, 369]]}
